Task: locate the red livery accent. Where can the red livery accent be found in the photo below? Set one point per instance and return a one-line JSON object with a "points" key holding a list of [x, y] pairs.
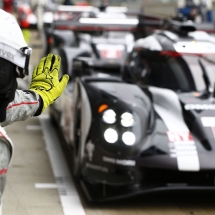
{"points": [[180, 54], [1, 134], [111, 54], [179, 136], [8, 6], [3, 171], [22, 103]]}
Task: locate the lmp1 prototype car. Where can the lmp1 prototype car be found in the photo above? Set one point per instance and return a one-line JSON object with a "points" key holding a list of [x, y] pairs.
{"points": [[59, 30], [150, 135], [25, 16], [107, 38], [107, 47]]}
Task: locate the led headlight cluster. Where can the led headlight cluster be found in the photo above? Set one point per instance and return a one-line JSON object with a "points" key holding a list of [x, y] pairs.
{"points": [[127, 120], [111, 135], [129, 138], [109, 116]]}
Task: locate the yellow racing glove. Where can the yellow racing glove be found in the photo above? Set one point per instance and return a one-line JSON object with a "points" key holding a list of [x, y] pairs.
{"points": [[45, 80]]}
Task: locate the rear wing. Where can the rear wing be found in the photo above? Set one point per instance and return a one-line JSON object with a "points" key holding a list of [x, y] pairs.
{"points": [[65, 8], [73, 9], [141, 24]]}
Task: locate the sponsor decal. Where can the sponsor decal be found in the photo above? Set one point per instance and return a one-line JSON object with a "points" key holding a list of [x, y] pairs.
{"points": [[7, 54], [119, 161], [179, 136], [96, 167], [90, 147], [183, 148], [111, 51], [12, 54], [115, 54], [199, 107]]}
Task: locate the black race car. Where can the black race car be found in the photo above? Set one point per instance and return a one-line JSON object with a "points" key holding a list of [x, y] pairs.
{"points": [[107, 37], [183, 54], [60, 24], [151, 133]]}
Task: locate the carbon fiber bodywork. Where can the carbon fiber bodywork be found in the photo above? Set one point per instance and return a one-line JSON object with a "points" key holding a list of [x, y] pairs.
{"points": [[162, 158], [173, 110]]}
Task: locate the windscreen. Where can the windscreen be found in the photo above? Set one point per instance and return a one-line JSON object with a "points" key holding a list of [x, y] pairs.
{"points": [[177, 71]]}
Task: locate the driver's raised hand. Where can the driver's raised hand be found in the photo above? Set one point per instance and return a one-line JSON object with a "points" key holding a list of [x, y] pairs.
{"points": [[45, 79]]}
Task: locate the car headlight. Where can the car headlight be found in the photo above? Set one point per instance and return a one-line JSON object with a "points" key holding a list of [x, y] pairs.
{"points": [[111, 135], [127, 119], [109, 116], [129, 138]]}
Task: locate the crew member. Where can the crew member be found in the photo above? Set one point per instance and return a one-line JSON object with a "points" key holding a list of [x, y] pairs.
{"points": [[17, 105], [103, 5], [8, 6], [68, 2], [196, 10]]}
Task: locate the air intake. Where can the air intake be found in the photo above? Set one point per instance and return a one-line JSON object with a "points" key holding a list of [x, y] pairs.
{"points": [[179, 27]]}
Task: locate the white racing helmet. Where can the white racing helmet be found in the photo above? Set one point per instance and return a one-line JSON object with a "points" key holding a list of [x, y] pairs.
{"points": [[14, 59], [13, 47]]}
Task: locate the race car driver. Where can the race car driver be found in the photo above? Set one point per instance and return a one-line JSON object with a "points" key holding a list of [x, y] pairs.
{"points": [[16, 105], [103, 5], [8, 5], [196, 10]]}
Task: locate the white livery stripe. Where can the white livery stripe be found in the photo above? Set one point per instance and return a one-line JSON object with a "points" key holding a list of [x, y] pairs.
{"points": [[182, 146], [208, 121], [192, 162], [185, 148], [109, 21], [186, 155], [194, 47], [69, 197], [183, 153]]}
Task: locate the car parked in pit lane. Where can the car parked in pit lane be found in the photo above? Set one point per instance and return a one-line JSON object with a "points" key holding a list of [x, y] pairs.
{"points": [[25, 16], [183, 54], [127, 137], [107, 40], [76, 35]]}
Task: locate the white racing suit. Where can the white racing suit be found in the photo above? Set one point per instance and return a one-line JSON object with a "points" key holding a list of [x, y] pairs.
{"points": [[6, 147], [25, 105]]}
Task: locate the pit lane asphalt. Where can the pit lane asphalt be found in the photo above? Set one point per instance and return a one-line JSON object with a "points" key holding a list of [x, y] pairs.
{"points": [[31, 169]]}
